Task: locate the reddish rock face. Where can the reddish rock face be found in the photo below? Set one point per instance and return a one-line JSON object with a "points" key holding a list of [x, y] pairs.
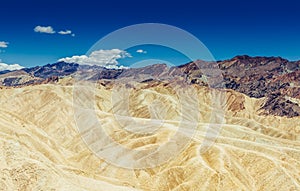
{"points": [[273, 78]]}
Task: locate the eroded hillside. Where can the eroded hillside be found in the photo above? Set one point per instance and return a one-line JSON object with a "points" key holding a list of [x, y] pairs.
{"points": [[41, 147]]}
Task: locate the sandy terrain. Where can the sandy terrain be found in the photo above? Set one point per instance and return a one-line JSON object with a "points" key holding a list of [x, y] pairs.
{"points": [[41, 147]]}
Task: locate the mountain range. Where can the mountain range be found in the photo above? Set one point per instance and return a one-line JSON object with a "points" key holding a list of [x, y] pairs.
{"points": [[273, 78], [226, 125]]}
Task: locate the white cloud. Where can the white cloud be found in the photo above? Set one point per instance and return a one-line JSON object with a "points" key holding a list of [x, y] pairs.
{"points": [[141, 51], [3, 44], [50, 30], [105, 58], [65, 32], [4, 66], [41, 29]]}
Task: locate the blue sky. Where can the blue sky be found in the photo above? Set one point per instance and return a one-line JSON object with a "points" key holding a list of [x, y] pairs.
{"points": [[227, 28]]}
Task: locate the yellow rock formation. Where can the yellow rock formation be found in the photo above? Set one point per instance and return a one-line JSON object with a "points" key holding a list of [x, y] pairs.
{"points": [[41, 147]]}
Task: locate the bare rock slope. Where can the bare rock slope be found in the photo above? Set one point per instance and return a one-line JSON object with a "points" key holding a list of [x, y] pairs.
{"points": [[41, 148], [240, 132]]}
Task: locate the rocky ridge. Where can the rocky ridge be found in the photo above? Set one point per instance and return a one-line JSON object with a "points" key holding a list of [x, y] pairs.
{"points": [[272, 78]]}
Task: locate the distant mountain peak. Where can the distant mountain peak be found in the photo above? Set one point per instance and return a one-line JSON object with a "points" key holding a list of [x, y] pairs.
{"points": [[259, 58]]}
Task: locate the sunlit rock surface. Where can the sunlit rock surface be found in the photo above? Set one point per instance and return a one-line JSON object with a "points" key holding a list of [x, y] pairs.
{"points": [[41, 147]]}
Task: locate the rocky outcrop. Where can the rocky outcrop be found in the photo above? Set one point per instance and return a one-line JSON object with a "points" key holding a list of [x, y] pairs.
{"points": [[272, 78]]}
